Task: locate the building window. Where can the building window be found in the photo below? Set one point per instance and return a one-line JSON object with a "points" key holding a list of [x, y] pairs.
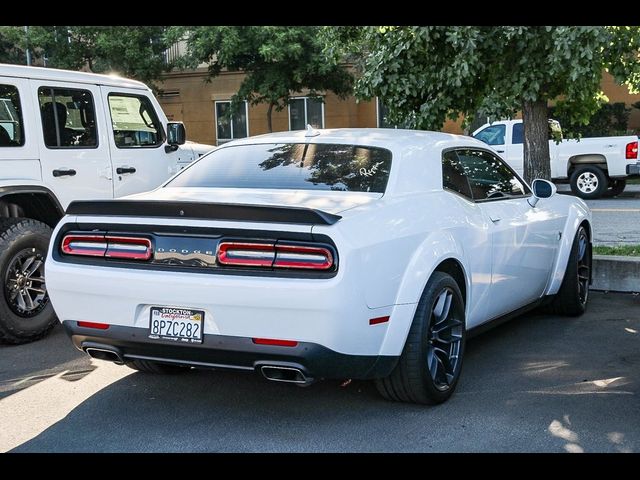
{"points": [[230, 127], [383, 113], [305, 111]]}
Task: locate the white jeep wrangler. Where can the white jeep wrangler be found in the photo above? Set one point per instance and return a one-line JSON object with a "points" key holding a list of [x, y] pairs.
{"points": [[69, 136]]}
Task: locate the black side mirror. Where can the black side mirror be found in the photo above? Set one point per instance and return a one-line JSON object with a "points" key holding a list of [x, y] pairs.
{"points": [[176, 135]]}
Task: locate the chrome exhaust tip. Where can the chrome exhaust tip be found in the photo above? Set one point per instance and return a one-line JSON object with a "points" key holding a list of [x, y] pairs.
{"points": [[105, 354], [277, 373]]}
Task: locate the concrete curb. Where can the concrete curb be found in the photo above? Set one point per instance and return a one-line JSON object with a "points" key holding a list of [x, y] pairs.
{"points": [[616, 273]]}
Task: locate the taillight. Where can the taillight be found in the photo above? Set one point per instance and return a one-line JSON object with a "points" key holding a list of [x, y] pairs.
{"points": [[632, 151], [246, 254], [275, 255], [129, 248], [294, 256]]}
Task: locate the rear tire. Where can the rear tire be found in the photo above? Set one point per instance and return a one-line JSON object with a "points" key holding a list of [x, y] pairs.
{"points": [[148, 366], [571, 300], [26, 313], [588, 182], [429, 367]]}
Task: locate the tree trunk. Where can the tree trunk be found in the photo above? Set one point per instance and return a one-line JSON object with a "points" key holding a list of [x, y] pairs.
{"points": [[269, 127], [537, 163]]}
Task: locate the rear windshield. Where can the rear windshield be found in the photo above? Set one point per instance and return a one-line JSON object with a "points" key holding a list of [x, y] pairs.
{"points": [[348, 168]]}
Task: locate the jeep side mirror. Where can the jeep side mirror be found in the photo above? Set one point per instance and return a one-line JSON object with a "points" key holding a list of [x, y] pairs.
{"points": [[176, 135]]}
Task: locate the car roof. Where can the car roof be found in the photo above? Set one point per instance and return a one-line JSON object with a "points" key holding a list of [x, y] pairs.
{"points": [[391, 138], [58, 75]]}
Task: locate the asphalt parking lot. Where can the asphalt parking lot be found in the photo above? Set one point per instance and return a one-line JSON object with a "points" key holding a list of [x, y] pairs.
{"points": [[536, 384], [616, 221]]}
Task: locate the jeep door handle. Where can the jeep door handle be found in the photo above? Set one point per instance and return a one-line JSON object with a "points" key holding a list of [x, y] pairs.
{"points": [[64, 172], [121, 170]]}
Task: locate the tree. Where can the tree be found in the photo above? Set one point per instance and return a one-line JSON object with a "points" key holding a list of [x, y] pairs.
{"points": [[277, 61], [426, 74], [136, 52], [609, 120]]}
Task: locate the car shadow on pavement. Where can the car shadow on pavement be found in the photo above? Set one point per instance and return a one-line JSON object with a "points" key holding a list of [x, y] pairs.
{"points": [[22, 366], [537, 383]]}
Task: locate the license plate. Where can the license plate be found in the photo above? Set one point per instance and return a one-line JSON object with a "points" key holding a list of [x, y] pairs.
{"points": [[177, 324]]}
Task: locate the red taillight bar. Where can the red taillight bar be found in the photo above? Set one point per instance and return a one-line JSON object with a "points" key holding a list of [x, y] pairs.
{"points": [[247, 254], [632, 150], [130, 248], [298, 256], [85, 245]]}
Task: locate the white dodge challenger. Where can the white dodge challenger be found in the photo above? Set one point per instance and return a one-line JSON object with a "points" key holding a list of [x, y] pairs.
{"points": [[347, 253]]}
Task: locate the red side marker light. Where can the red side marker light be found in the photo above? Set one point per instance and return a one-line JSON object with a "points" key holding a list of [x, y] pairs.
{"points": [[99, 326], [377, 320], [273, 341]]}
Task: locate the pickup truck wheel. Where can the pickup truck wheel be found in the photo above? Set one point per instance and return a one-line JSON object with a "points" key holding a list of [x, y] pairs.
{"points": [[26, 313], [588, 182], [617, 186], [429, 367]]}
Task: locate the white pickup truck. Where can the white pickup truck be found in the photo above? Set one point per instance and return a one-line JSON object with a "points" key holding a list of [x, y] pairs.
{"points": [[593, 166], [68, 136]]}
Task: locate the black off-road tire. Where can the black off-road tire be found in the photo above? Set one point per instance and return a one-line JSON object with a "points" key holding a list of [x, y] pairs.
{"points": [[148, 366], [591, 173], [411, 380], [18, 235], [569, 301]]}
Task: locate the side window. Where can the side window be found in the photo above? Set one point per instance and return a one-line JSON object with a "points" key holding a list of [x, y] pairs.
{"points": [[68, 118], [453, 177], [134, 121], [489, 176], [11, 126], [517, 135], [492, 135]]}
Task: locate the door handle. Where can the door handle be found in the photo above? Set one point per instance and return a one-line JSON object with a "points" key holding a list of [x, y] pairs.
{"points": [[122, 170], [495, 219], [64, 172], [500, 151]]}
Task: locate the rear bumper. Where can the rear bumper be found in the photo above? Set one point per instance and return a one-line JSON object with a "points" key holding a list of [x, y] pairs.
{"points": [[633, 169], [229, 352]]}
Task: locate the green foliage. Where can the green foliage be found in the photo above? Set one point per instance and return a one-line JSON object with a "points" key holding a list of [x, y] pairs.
{"points": [[609, 120], [136, 52], [426, 74], [277, 60], [626, 250]]}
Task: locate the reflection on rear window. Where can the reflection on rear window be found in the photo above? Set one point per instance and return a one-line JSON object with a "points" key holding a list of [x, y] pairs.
{"points": [[349, 168]]}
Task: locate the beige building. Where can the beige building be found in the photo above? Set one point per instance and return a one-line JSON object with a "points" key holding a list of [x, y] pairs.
{"points": [[187, 97]]}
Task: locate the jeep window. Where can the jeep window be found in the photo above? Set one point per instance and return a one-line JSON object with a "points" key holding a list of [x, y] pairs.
{"points": [[134, 121], [11, 126], [300, 166], [68, 118]]}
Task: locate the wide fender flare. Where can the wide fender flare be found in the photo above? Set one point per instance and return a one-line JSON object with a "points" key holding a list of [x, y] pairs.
{"points": [[577, 215], [435, 249]]}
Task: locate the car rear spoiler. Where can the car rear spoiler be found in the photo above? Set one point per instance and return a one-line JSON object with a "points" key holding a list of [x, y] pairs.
{"points": [[207, 211]]}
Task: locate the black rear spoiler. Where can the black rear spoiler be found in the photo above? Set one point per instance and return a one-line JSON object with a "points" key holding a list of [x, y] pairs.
{"points": [[207, 211]]}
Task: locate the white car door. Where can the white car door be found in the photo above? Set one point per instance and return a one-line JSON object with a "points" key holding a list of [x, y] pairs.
{"points": [[525, 240], [137, 142], [514, 154], [72, 140]]}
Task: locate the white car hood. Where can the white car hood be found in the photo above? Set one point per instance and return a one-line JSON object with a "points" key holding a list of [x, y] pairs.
{"points": [[327, 201]]}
